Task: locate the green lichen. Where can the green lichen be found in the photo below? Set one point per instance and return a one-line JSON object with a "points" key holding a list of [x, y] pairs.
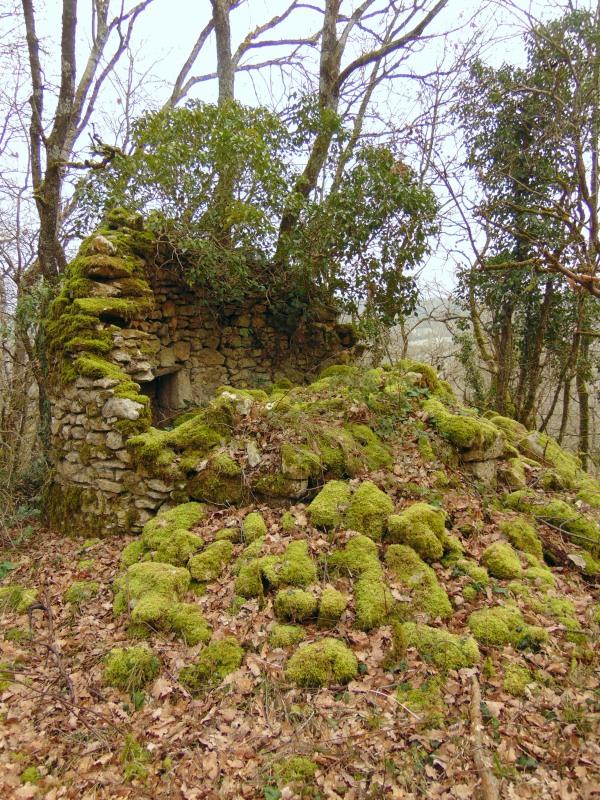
{"points": [[130, 668], [81, 592], [324, 663], [208, 565], [331, 607], [502, 561], [368, 510], [444, 649], [295, 605], [503, 625], [16, 598], [296, 769], [253, 527], [328, 508], [427, 596], [462, 430], [286, 635], [516, 679], [522, 535], [214, 663], [422, 527]]}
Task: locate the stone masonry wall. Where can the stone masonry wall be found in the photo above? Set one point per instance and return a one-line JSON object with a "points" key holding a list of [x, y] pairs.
{"points": [[146, 347]]}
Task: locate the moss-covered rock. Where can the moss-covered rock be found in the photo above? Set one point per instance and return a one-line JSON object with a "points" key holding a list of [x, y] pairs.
{"points": [[188, 622], [208, 565], [178, 548], [164, 524], [133, 552], [328, 508], [422, 527], [286, 635], [583, 530], [427, 596], [150, 590], [464, 431], [368, 510], [214, 663], [516, 679], [332, 605], [130, 668], [295, 605], [296, 567], [323, 663], [502, 561], [299, 463], [220, 482], [288, 522], [253, 527], [373, 600], [503, 625], [522, 535], [359, 555], [444, 649]]}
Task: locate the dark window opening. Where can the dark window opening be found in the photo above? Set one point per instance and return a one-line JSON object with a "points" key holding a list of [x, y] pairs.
{"points": [[169, 395]]}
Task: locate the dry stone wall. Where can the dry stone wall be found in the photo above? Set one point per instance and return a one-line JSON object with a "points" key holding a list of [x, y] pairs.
{"points": [[132, 345]]}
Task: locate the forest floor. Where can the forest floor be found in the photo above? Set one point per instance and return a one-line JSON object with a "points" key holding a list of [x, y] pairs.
{"points": [[58, 716]]}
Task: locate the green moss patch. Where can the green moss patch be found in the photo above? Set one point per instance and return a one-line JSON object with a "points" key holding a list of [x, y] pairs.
{"points": [[130, 668], [427, 596], [16, 598], [331, 607], [328, 508], [522, 535], [81, 592], [502, 561], [425, 700], [286, 635], [583, 530], [324, 663], [296, 769], [516, 679], [295, 605], [253, 527], [368, 510], [503, 625], [422, 527], [214, 663], [208, 565], [464, 431], [440, 647]]}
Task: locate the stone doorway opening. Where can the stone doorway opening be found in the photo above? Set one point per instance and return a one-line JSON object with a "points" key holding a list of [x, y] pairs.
{"points": [[170, 393]]}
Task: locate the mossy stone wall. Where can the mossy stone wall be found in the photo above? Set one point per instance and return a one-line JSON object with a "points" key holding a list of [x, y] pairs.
{"points": [[131, 344]]}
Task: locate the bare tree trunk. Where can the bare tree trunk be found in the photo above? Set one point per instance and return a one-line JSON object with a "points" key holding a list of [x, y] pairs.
{"points": [[534, 362], [225, 65]]}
